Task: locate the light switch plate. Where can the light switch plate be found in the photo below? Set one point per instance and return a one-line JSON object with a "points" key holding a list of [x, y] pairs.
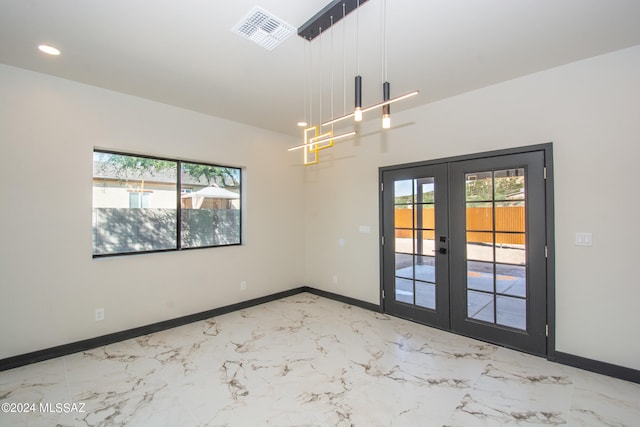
{"points": [[365, 229], [584, 239]]}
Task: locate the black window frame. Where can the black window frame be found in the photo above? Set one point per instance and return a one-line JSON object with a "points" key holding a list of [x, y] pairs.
{"points": [[179, 208]]}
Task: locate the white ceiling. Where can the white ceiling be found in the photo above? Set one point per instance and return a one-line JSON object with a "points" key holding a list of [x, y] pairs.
{"points": [[183, 52]]}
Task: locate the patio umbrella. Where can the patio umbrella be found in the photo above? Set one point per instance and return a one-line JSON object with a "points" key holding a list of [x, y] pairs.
{"points": [[213, 192]]}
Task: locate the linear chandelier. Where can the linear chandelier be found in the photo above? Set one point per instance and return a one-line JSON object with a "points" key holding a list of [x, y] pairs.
{"points": [[372, 107], [315, 141]]}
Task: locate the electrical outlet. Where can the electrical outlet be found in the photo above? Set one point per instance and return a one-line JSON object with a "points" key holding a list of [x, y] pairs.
{"points": [[243, 286], [99, 314], [334, 279]]}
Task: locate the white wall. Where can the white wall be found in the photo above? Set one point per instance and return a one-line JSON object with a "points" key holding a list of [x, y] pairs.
{"points": [[49, 283], [590, 110]]}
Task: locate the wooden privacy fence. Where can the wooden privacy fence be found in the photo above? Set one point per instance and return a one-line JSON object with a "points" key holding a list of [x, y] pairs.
{"points": [[509, 227]]}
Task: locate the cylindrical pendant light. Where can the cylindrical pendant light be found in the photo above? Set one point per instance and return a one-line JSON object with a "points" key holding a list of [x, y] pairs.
{"points": [[386, 109], [358, 111], [386, 86]]}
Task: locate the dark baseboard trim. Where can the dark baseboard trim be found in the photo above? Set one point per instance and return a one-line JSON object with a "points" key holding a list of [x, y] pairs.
{"points": [[63, 350], [604, 368], [596, 366], [342, 298]]}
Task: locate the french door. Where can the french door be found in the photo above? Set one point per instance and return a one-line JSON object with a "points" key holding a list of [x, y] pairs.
{"points": [[464, 247], [416, 272]]}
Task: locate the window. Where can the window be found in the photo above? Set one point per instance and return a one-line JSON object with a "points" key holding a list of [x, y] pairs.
{"points": [[138, 199], [146, 204]]}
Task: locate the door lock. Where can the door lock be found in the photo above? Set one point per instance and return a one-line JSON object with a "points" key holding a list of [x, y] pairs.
{"points": [[443, 242]]}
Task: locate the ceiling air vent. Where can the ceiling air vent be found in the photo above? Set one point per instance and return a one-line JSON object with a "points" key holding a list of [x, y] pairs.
{"points": [[263, 28]]}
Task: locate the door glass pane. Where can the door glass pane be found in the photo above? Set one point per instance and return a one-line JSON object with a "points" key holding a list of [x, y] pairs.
{"points": [[509, 184], [480, 246], [425, 242], [425, 217], [480, 306], [511, 280], [510, 248], [404, 290], [479, 216], [403, 192], [426, 190], [426, 268], [403, 216], [426, 294], [404, 241], [404, 265], [479, 186], [510, 216], [480, 276], [511, 312]]}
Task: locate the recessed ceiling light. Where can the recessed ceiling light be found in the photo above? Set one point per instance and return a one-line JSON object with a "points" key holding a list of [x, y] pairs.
{"points": [[302, 124], [48, 49]]}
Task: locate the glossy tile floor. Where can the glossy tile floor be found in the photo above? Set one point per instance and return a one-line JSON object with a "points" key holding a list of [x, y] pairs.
{"points": [[310, 361]]}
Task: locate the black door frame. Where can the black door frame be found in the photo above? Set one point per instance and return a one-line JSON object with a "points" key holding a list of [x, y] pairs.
{"points": [[547, 148]]}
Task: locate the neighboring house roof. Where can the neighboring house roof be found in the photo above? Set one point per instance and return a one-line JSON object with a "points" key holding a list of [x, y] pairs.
{"points": [[105, 170]]}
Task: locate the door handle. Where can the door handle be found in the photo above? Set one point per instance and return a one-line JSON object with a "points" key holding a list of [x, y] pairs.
{"points": [[443, 251]]}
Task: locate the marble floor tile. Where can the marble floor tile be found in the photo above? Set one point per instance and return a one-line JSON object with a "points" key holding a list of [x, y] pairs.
{"points": [[517, 389], [33, 391], [120, 385], [309, 361], [604, 401]]}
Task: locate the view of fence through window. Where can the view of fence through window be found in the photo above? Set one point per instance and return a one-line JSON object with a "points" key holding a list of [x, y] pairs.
{"points": [[144, 204]]}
